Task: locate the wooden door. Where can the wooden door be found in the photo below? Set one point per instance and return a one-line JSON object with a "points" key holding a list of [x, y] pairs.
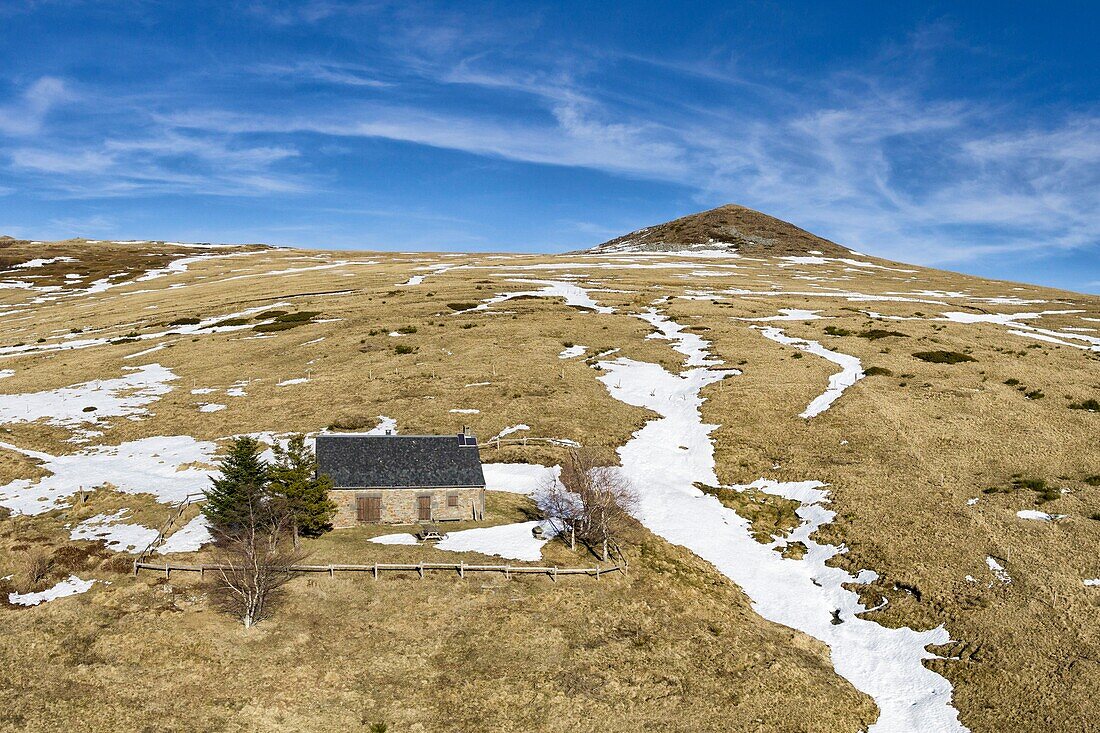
{"points": [[424, 508], [368, 508]]}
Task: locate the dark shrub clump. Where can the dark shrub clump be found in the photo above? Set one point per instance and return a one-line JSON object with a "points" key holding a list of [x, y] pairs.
{"points": [[943, 357]]}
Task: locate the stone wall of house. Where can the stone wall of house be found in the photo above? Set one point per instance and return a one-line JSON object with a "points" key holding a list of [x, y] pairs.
{"points": [[401, 506]]}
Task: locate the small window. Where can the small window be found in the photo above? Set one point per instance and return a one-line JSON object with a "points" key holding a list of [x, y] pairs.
{"points": [[452, 500]]}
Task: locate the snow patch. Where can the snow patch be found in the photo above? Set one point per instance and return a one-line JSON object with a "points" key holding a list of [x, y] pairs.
{"points": [[514, 541], [851, 368], [400, 538], [518, 478], [126, 396], [161, 466], [1038, 515], [71, 586]]}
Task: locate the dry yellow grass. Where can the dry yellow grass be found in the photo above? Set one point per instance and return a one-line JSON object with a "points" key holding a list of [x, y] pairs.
{"points": [[671, 647]]}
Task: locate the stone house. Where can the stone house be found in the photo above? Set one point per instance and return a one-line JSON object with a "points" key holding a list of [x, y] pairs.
{"points": [[402, 479]]}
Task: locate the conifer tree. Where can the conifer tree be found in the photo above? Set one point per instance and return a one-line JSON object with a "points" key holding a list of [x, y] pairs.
{"points": [[235, 496], [301, 490]]}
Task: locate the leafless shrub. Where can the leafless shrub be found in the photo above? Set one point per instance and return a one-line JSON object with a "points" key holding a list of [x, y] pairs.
{"points": [[593, 501], [254, 561], [34, 568]]}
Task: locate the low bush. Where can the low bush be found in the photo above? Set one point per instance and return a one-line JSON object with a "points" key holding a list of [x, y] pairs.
{"points": [[876, 371], [404, 349], [880, 333], [943, 357], [232, 322], [1093, 480], [837, 331], [270, 314], [1012, 382], [1035, 394], [184, 322], [407, 330], [34, 567], [461, 306], [1090, 404], [296, 317]]}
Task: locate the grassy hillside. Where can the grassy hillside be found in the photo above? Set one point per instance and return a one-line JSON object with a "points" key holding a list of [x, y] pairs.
{"points": [[674, 645]]}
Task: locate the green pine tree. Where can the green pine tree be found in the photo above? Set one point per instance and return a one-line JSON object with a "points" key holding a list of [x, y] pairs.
{"points": [[302, 491], [240, 488]]}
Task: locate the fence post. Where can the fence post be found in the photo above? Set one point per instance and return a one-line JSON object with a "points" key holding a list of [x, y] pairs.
{"points": [[375, 570], [462, 569], [167, 571], [331, 572], [597, 572], [420, 569]]}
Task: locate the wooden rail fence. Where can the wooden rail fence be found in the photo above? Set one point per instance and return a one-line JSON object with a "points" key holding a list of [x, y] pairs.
{"points": [[168, 524], [499, 442], [461, 568]]}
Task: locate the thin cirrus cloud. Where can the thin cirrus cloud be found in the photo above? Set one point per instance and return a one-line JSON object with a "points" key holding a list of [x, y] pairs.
{"points": [[891, 163], [892, 172]]}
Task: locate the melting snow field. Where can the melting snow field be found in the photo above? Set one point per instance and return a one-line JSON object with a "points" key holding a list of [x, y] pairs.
{"points": [[188, 538], [804, 594], [118, 536], [513, 541], [573, 351], [851, 369], [126, 396], [147, 466], [574, 296], [518, 478], [788, 314], [1013, 320], [71, 586]]}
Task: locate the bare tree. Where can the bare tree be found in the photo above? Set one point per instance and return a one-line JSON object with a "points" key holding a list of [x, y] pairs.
{"points": [[254, 560], [562, 508], [593, 501]]}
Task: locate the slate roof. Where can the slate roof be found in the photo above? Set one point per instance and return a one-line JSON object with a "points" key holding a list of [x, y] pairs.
{"points": [[356, 461]]}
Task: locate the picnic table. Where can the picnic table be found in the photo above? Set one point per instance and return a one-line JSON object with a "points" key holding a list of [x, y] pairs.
{"points": [[430, 533]]}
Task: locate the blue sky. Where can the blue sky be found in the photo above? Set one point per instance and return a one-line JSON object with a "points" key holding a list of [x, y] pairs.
{"points": [[958, 135]]}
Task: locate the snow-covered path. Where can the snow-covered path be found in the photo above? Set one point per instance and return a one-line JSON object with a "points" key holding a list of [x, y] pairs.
{"points": [[851, 370], [670, 453]]}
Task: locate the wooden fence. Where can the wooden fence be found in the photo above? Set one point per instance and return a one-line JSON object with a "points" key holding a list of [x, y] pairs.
{"points": [[461, 568], [499, 442], [168, 524]]}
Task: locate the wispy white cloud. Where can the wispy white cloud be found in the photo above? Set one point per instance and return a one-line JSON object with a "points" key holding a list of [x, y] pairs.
{"points": [[169, 162], [353, 75], [25, 115], [865, 155]]}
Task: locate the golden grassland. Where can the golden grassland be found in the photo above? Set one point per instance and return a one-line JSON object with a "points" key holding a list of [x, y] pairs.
{"points": [[671, 646]]}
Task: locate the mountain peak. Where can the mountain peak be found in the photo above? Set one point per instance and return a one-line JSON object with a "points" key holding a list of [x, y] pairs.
{"points": [[731, 228]]}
